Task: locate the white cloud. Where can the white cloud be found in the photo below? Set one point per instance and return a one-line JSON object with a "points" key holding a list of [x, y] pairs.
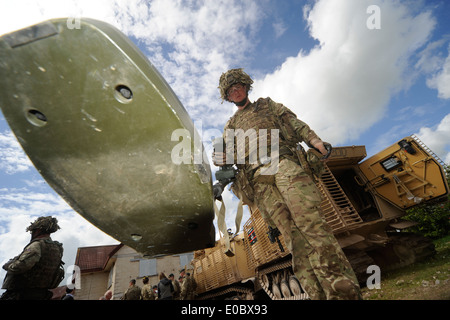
{"points": [[12, 157], [441, 81], [279, 28], [77, 232], [430, 60], [343, 86], [21, 14], [437, 139], [24, 202], [201, 41]]}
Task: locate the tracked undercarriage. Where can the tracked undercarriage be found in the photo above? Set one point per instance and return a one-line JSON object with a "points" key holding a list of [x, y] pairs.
{"points": [[279, 282], [233, 292]]}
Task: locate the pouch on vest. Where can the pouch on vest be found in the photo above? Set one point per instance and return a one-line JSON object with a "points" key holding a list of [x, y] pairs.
{"points": [[315, 163], [58, 276]]}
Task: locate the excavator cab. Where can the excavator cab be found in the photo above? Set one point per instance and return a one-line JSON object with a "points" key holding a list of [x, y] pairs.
{"points": [[406, 174], [98, 121]]}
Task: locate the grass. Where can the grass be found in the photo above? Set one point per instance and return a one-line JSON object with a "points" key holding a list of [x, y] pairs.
{"points": [[425, 280]]}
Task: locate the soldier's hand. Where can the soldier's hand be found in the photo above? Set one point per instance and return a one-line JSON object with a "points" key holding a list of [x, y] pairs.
{"points": [[321, 147], [323, 150], [219, 158]]}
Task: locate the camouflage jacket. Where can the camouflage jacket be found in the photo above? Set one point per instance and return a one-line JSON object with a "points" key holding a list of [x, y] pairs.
{"points": [[264, 116], [188, 288], [147, 292], [132, 293], [176, 289]]}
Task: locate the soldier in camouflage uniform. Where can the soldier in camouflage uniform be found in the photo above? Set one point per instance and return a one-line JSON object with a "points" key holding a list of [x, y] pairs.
{"points": [[176, 287], [188, 287], [287, 197], [147, 291], [133, 292], [38, 268]]}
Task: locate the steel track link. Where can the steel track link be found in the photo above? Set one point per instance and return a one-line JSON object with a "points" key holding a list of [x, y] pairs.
{"points": [[273, 268]]}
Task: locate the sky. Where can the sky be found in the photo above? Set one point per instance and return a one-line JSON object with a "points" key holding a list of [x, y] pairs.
{"points": [[359, 72]]}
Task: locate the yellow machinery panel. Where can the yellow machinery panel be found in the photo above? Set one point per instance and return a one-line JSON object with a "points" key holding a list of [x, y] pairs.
{"points": [[405, 174], [260, 249], [214, 269]]}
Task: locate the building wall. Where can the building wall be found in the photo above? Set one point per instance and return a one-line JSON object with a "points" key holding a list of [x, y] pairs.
{"points": [[125, 265], [167, 265], [125, 268], [92, 286]]}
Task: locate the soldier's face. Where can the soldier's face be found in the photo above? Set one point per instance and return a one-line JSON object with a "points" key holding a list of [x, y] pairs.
{"points": [[35, 233], [237, 93]]}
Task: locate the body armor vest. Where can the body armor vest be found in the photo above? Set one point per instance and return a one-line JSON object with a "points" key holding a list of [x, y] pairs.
{"points": [[255, 135], [43, 273]]}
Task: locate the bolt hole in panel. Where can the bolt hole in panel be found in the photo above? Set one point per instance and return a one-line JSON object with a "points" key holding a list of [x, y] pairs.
{"points": [[96, 118], [36, 118]]}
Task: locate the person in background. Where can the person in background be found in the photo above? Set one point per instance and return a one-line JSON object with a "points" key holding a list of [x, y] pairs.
{"points": [[133, 292], [165, 288], [188, 286], [69, 294], [147, 292], [176, 287], [106, 296]]}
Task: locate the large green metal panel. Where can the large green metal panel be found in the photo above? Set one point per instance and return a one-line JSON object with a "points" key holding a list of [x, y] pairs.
{"points": [[96, 119]]}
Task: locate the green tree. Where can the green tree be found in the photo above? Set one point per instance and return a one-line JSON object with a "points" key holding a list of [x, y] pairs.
{"points": [[433, 218]]}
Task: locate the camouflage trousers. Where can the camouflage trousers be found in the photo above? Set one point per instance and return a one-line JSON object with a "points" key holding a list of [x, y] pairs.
{"points": [[290, 201]]}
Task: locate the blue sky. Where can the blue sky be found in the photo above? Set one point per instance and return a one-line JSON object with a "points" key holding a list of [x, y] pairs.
{"points": [[353, 85]]}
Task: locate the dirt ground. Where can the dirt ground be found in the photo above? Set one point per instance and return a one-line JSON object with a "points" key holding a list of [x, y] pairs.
{"points": [[426, 280]]}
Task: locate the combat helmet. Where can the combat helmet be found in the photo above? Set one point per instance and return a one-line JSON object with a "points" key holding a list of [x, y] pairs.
{"points": [[46, 224], [232, 77]]}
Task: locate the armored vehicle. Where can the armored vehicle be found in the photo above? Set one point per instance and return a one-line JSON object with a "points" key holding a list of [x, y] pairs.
{"points": [[363, 202]]}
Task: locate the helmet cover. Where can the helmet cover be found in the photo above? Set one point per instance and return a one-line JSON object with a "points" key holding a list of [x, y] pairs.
{"points": [[232, 77], [47, 224]]}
